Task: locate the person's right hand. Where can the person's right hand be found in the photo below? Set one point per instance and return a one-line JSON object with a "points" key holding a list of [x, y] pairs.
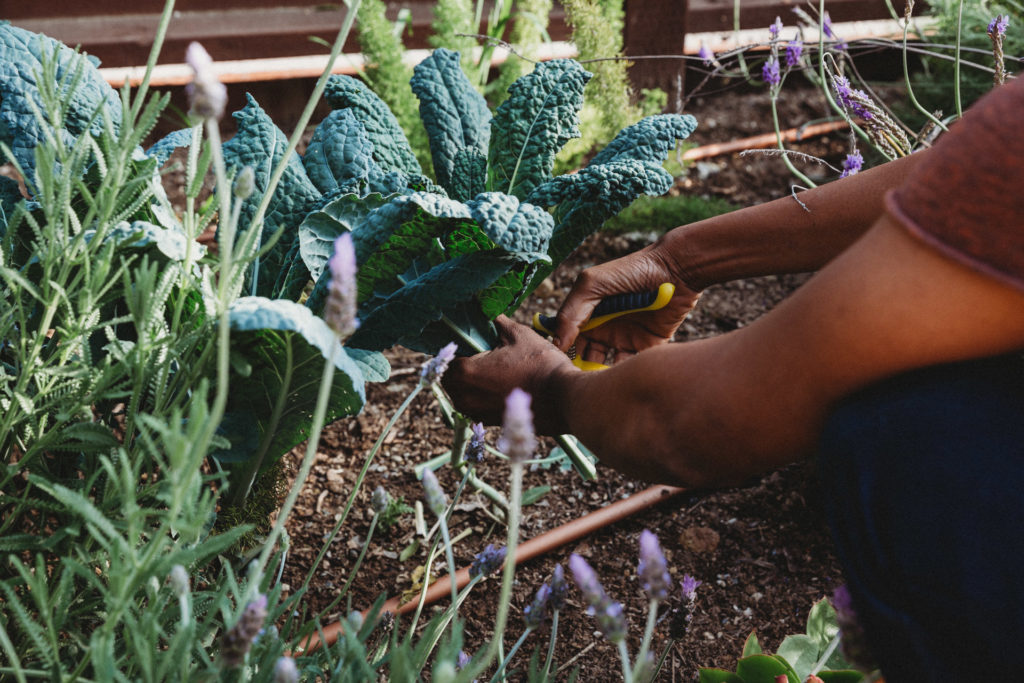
{"points": [[642, 271]]}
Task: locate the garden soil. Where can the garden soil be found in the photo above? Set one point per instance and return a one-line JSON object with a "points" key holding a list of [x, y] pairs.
{"points": [[762, 551]]}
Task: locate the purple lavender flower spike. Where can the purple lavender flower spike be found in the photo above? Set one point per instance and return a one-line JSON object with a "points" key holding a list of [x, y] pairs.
{"points": [[477, 444], [207, 96], [434, 368], [462, 661], [852, 164], [285, 671], [559, 589], [534, 613], [997, 27], [794, 50], [852, 639], [488, 561], [770, 72], [611, 619], [653, 570], [517, 437], [775, 28], [851, 98], [379, 500], [235, 643], [340, 309], [433, 493], [705, 54], [826, 26], [690, 586]]}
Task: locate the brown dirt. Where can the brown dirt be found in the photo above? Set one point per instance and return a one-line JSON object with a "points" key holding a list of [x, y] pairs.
{"points": [[762, 551]]}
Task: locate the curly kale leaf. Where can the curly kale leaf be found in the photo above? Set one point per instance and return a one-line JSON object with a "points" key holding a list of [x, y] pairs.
{"points": [[649, 139], [453, 112], [320, 228], [540, 115], [285, 346], [261, 145], [469, 174], [339, 152], [585, 200], [424, 256], [628, 167], [390, 147], [87, 98]]}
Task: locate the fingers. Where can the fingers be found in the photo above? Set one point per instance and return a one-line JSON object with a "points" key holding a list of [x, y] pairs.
{"points": [[575, 311]]}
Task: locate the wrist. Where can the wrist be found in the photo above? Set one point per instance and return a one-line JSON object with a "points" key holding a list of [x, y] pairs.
{"points": [[553, 416]]}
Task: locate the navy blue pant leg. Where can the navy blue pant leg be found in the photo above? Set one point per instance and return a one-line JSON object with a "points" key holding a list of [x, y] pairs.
{"points": [[924, 489]]}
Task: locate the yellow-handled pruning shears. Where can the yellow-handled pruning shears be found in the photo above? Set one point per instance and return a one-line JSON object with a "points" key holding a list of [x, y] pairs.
{"points": [[609, 309]]}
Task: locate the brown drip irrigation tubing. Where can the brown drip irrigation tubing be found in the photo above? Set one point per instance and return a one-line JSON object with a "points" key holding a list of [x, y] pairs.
{"points": [[545, 543], [763, 140]]}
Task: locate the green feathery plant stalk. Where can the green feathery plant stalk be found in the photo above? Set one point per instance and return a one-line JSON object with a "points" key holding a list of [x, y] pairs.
{"points": [[528, 32], [388, 75], [956, 63]]}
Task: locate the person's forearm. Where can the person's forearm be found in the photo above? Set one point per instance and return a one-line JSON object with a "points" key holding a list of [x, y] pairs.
{"points": [[781, 236]]}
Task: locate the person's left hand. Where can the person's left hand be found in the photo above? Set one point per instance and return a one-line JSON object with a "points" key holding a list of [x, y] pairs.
{"points": [[479, 385]]}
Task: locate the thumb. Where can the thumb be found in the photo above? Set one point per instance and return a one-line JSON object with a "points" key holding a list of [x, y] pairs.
{"points": [[575, 311]]}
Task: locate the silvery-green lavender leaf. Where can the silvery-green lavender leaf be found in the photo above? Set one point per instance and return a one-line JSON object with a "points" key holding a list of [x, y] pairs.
{"points": [[540, 115], [391, 149], [261, 145], [454, 114], [286, 347]]}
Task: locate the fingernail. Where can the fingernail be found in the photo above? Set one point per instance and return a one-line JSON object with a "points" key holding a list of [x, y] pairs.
{"points": [[556, 341]]}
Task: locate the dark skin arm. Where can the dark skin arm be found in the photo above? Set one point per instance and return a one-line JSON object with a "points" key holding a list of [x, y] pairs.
{"points": [[772, 238], [716, 411]]}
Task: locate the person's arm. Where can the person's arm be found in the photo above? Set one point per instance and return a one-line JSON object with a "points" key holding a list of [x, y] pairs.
{"points": [[716, 411], [772, 238]]}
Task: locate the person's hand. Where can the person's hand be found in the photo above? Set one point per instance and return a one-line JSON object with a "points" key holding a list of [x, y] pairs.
{"points": [[478, 385], [642, 271]]}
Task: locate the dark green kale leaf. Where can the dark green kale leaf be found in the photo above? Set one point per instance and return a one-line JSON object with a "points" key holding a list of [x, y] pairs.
{"points": [[454, 114]]}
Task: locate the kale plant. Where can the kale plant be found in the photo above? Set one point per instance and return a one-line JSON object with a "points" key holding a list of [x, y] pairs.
{"points": [[440, 259]]}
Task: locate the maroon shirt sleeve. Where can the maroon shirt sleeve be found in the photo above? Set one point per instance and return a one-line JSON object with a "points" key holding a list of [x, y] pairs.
{"points": [[967, 198]]}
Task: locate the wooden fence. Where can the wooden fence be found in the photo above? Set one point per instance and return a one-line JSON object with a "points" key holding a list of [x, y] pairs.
{"points": [[119, 32]]}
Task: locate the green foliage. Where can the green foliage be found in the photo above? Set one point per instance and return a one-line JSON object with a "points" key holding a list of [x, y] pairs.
{"points": [[436, 268], [540, 115], [77, 98], [798, 656], [387, 74], [933, 84], [454, 115], [528, 32], [393, 511], [597, 33], [661, 214], [452, 18]]}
